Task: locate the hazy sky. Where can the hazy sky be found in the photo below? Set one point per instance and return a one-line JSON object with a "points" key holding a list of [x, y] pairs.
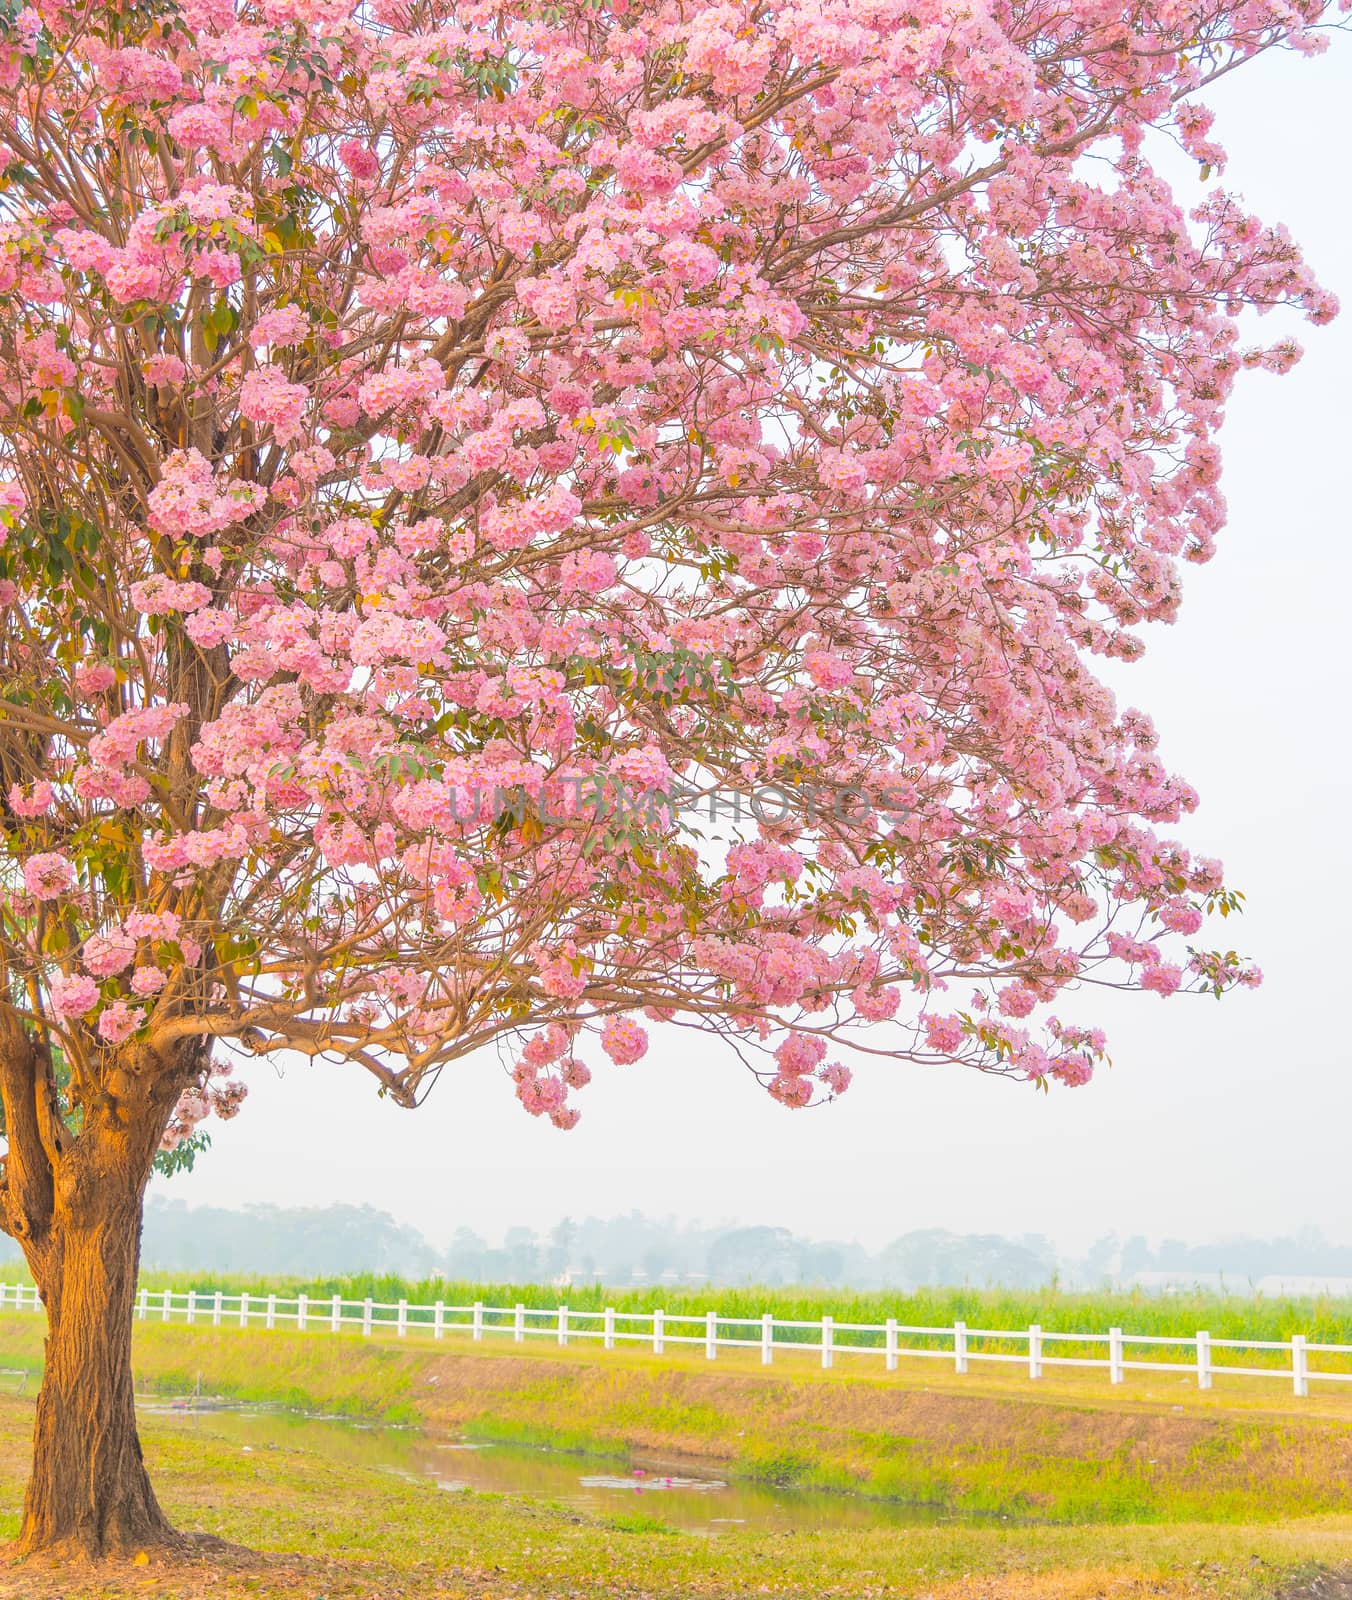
{"points": [[1215, 1119]]}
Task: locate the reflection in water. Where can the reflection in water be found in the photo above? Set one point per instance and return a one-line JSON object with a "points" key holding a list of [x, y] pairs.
{"points": [[681, 1497]]}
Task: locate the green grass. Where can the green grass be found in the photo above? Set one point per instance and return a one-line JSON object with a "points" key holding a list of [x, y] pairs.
{"points": [[1148, 1491], [1322, 1320], [1069, 1450], [359, 1534]]}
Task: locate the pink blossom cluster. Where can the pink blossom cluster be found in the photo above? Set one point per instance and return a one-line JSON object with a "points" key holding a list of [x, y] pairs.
{"points": [[218, 1093], [624, 1040], [269, 399], [189, 500], [48, 875]]}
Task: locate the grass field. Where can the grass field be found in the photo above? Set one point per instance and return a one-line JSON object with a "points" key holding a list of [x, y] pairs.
{"points": [[1322, 1320], [368, 1536], [1156, 1490]]}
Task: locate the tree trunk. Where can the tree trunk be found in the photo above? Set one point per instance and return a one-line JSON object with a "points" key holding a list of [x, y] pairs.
{"points": [[89, 1492], [74, 1202]]}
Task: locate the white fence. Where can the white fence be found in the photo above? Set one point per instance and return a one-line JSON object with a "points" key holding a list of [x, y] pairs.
{"points": [[1195, 1354]]}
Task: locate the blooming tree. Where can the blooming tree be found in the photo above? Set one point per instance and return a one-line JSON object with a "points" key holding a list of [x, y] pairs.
{"points": [[451, 447]]}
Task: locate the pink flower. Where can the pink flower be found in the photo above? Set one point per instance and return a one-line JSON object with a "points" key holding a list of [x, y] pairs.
{"points": [[286, 325], [576, 1074], [1073, 1070], [551, 300], [119, 1021], [1179, 917], [72, 995], [190, 500], [546, 1046], [48, 876], [107, 953], [192, 1105], [152, 924], [208, 627], [877, 1005], [1016, 1001], [624, 1040], [692, 264], [792, 1092], [129, 279], [944, 1034], [36, 802], [799, 1053], [587, 572], [164, 371], [839, 469], [836, 1077], [1163, 980], [94, 677], [1008, 463], [160, 595], [360, 161], [269, 398], [828, 671], [227, 1098]]}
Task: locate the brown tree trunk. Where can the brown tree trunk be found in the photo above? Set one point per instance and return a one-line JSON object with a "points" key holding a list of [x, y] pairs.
{"points": [[89, 1491], [74, 1203]]}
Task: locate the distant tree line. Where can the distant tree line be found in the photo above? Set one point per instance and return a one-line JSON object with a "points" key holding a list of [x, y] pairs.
{"points": [[638, 1249]]}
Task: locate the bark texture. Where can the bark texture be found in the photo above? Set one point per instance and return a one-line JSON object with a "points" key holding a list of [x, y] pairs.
{"points": [[74, 1203]]}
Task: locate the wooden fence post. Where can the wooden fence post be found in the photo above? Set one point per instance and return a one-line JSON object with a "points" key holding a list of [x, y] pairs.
{"points": [[1035, 1351], [891, 1337], [767, 1338]]}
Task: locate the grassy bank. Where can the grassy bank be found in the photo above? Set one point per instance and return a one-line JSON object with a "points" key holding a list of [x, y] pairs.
{"points": [[1070, 1451], [366, 1535]]}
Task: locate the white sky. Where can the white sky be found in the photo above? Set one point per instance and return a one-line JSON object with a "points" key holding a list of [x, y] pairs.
{"points": [[1215, 1119]]}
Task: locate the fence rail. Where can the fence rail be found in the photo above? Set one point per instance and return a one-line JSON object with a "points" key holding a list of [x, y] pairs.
{"points": [[1033, 1348]]}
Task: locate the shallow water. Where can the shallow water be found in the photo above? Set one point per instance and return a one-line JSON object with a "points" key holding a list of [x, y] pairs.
{"points": [[680, 1496]]}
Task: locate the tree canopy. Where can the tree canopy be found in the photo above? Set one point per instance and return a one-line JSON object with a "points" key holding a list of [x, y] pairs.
{"points": [[451, 449]]}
